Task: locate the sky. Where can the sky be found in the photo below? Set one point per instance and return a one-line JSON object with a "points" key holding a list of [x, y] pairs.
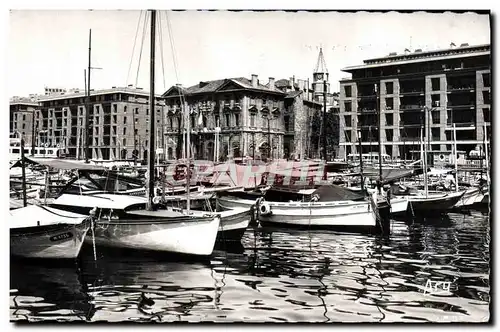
{"points": [[50, 47]]}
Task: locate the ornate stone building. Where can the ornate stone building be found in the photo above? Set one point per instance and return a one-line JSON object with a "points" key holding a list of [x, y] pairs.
{"points": [[250, 116]]}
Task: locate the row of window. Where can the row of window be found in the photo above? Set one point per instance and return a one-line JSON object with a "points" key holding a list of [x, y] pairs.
{"points": [[452, 117], [435, 86]]}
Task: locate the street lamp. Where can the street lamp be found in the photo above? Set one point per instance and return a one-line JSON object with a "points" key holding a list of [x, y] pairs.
{"points": [[360, 161]]}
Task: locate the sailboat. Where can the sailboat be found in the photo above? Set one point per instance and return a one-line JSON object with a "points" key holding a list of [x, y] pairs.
{"points": [[437, 202], [42, 232], [138, 222]]}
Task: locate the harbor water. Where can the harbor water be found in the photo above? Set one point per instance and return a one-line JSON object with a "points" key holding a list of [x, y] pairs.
{"points": [[432, 270]]}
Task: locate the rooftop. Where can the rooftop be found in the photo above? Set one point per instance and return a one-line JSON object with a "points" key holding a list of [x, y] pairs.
{"points": [[79, 94], [418, 55], [216, 85]]}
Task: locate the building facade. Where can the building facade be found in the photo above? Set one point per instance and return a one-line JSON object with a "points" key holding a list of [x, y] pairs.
{"points": [[251, 119], [21, 112], [118, 123], [247, 116], [443, 89]]}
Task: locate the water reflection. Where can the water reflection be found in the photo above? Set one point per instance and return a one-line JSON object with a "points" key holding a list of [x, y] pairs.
{"points": [[278, 275], [39, 292]]}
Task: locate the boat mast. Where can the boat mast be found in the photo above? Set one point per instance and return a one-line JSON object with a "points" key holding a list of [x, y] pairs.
{"points": [[456, 156], [425, 164], [23, 173], [188, 151], [151, 155], [487, 160], [378, 110], [87, 106], [323, 134]]}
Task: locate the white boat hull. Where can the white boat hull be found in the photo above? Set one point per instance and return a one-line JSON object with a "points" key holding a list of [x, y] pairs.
{"points": [[61, 241], [194, 236], [233, 223], [320, 214], [228, 202], [399, 204], [471, 196]]}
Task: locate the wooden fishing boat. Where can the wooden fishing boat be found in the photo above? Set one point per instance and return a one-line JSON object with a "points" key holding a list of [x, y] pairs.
{"points": [[45, 232]]}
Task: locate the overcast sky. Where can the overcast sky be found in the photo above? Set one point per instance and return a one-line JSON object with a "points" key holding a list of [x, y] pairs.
{"points": [[50, 48]]}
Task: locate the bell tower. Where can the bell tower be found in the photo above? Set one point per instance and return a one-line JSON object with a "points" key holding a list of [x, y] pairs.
{"points": [[320, 78]]}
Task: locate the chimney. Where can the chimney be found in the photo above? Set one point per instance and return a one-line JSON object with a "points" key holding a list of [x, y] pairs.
{"points": [[271, 83], [255, 81]]}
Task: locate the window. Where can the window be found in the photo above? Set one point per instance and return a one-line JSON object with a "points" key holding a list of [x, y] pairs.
{"points": [[24, 125], [348, 120], [81, 110], [96, 120], [216, 119], [97, 109], [81, 122], [389, 119], [237, 120], [486, 114], [436, 84], [348, 106], [137, 111], [252, 119], [348, 91], [486, 97], [96, 130], [124, 120], [389, 104], [436, 117], [136, 131], [124, 109], [113, 130], [389, 88], [125, 131], [264, 101], [124, 141], [287, 122], [436, 134], [137, 120], [205, 121], [65, 122], [24, 117], [115, 108], [486, 80], [114, 118], [227, 120], [193, 122], [147, 111], [171, 121], [389, 135]]}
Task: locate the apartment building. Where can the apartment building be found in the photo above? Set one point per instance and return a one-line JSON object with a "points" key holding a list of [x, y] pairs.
{"points": [[118, 125], [21, 111], [436, 90]]}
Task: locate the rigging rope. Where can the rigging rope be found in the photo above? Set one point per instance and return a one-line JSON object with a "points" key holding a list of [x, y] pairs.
{"points": [[133, 48], [142, 45], [160, 28]]}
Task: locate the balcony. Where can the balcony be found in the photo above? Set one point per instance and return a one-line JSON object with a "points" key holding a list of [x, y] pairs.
{"points": [[366, 111], [453, 106], [411, 107], [460, 125], [459, 89], [412, 92]]}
